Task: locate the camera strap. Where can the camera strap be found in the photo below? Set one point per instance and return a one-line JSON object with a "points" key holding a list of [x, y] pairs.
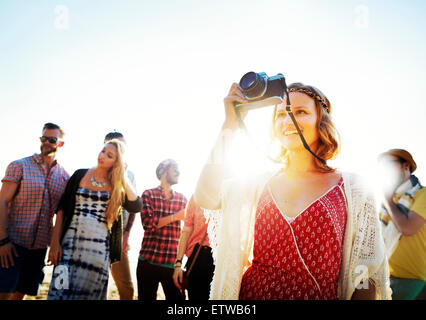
{"points": [[305, 144]]}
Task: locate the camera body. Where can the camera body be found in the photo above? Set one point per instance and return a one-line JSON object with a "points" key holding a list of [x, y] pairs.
{"points": [[261, 90]]}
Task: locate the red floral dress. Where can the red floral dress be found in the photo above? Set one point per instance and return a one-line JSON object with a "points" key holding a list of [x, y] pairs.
{"points": [[297, 258]]}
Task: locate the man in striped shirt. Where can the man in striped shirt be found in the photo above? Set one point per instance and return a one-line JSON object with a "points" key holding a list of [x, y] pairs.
{"points": [[30, 192], [162, 211]]}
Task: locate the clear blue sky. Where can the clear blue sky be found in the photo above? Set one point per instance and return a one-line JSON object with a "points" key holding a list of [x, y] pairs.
{"points": [[158, 72]]}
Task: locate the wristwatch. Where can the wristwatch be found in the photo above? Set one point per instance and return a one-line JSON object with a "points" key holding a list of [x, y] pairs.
{"points": [[7, 240], [178, 261]]}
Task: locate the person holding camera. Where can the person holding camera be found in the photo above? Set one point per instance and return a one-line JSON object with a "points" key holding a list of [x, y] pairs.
{"points": [[403, 216], [306, 231], [194, 243]]}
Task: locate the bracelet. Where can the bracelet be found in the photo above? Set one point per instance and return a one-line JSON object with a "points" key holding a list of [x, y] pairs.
{"points": [[178, 261], [4, 241]]}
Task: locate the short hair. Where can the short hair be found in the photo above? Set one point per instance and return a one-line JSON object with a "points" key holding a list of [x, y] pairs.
{"points": [[52, 126], [164, 166], [113, 135]]}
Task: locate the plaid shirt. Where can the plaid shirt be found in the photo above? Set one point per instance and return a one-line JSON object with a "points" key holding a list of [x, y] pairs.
{"points": [[30, 219], [159, 245]]}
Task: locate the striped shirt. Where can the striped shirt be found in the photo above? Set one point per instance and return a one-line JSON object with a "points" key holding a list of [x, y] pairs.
{"points": [[30, 219], [159, 245]]}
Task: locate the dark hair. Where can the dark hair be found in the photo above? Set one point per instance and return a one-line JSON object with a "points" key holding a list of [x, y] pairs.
{"points": [[401, 161], [52, 126], [113, 135]]}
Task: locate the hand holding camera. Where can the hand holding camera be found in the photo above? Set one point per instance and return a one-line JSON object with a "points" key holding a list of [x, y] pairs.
{"points": [[255, 90], [261, 90], [235, 96]]}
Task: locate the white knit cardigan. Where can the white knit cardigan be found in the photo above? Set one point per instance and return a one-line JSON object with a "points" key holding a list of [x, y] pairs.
{"points": [[236, 201]]}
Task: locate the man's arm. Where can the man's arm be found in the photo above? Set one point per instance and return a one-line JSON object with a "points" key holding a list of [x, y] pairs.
{"points": [[180, 215], [55, 250], [148, 218], [408, 224], [7, 192]]}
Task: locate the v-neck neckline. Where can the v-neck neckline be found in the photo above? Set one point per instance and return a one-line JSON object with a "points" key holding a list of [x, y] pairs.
{"points": [[291, 219]]}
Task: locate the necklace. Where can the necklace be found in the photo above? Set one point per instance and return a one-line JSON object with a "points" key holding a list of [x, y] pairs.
{"points": [[96, 183]]}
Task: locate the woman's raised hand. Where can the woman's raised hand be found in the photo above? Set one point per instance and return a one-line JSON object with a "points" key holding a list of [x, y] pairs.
{"points": [[235, 95]]}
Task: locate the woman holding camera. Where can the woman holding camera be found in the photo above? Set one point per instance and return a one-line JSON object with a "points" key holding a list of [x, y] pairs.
{"points": [[87, 236], [307, 231]]}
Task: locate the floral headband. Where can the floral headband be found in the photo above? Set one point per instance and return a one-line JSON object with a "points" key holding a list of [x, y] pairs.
{"points": [[313, 95]]}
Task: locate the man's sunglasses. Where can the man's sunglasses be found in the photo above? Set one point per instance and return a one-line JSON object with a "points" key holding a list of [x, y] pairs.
{"points": [[52, 140]]}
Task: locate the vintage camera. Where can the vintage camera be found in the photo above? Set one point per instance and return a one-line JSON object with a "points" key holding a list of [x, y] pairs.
{"points": [[261, 90]]}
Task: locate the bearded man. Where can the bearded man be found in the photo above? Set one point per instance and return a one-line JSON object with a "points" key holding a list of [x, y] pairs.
{"points": [[29, 195], [161, 215]]}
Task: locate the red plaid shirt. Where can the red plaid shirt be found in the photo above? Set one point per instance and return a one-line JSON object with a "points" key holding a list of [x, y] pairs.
{"points": [[159, 245], [30, 219]]}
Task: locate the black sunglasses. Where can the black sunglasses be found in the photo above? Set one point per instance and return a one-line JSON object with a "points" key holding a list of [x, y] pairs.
{"points": [[51, 140]]}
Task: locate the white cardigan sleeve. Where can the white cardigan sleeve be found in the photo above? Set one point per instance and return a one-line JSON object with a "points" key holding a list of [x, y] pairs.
{"points": [[364, 254], [208, 190]]}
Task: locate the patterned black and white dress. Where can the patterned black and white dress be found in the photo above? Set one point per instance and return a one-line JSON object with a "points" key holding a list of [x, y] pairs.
{"points": [[83, 272]]}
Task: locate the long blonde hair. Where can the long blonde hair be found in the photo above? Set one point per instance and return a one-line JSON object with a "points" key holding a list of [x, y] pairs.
{"points": [[116, 179], [329, 139]]}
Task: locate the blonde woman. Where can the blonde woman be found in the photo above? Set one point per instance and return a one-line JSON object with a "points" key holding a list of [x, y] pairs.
{"points": [[87, 236], [307, 231]]}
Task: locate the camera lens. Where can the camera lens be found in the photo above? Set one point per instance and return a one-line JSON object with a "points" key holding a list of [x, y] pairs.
{"points": [[247, 80], [253, 85]]}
